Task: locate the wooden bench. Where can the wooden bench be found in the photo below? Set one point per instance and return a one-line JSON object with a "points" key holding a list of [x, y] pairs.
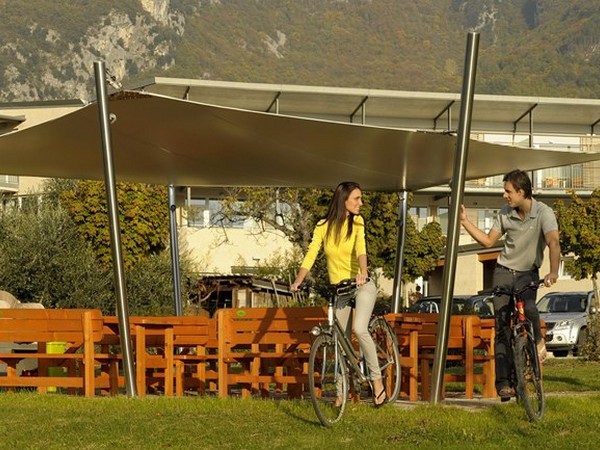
{"points": [[194, 345], [407, 332], [172, 353], [467, 344], [79, 329], [259, 347]]}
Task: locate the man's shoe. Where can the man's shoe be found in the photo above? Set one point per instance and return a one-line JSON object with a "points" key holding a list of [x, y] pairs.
{"points": [[506, 393]]}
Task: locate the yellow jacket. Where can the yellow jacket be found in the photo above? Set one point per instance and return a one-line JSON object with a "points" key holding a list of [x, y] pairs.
{"points": [[342, 257]]}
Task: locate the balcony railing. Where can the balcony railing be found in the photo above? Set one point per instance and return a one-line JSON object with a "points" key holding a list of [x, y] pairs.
{"points": [[9, 183], [578, 176]]}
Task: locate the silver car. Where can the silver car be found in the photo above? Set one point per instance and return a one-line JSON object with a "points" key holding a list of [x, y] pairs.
{"points": [[566, 316]]}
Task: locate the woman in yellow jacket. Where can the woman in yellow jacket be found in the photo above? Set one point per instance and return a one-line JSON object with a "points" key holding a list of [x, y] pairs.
{"points": [[342, 234]]}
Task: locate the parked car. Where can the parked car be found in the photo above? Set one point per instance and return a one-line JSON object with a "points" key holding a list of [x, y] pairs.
{"points": [[566, 316], [461, 304]]}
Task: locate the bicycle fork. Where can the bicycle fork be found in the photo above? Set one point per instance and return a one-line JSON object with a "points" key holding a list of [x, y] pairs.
{"points": [[524, 328]]}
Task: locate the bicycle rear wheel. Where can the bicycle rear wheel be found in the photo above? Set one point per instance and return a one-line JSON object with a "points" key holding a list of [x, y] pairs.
{"points": [[529, 380], [327, 380], [388, 355]]}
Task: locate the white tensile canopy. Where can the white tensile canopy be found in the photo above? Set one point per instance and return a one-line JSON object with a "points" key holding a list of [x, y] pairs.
{"points": [[162, 140]]}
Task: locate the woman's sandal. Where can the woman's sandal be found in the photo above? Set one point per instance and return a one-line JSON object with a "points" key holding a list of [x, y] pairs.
{"points": [[376, 402]]}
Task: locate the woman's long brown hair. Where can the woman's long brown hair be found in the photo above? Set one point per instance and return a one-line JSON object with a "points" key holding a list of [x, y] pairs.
{"points": [[336, 214]]}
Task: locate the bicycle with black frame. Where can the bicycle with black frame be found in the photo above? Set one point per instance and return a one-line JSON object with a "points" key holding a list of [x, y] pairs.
{"points": [[336, 368], [526, 369]]}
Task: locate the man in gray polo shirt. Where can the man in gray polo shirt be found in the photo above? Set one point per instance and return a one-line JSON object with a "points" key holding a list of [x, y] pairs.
{"points": [[528, 226]]}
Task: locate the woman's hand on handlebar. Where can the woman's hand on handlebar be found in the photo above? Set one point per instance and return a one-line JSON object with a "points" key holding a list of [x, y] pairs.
{"points": [[361, 279], [302, 273]]}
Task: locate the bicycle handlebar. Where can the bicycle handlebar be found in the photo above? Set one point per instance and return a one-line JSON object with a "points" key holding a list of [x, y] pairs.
{"points": [[346, 286], [504, 291]]}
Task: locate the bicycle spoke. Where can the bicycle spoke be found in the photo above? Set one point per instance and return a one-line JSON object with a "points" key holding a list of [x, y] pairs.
{"points": [[529, 382], [388, 356], [328, 381]]}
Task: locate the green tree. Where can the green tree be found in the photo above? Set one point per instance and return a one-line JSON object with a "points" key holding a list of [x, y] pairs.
{"points": [[150, 285], [42, 260], [292, 212], [143, 215], [579, 225], [422, 248]]}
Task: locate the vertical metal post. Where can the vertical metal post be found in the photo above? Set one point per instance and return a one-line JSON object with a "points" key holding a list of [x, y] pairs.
{"points": [[534, 177], [400, 243], [175, 252], [458, 186], [115, 230]]}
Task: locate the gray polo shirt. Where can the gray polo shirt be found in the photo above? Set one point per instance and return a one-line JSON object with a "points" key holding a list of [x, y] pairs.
{"points": [[524, 239]]}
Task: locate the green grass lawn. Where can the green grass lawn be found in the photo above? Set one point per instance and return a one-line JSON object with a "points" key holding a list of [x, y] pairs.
{"points": [[34, 421]]}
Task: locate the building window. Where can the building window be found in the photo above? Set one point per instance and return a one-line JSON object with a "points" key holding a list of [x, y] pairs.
{"points": [[28, 203], [485, 219], [443, 218], [419, 216], [563, 273], [206, 213]]}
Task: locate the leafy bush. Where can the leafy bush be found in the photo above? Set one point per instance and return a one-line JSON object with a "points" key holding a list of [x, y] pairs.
{"points": [[591, 349], [150, 285], [42, 260]]}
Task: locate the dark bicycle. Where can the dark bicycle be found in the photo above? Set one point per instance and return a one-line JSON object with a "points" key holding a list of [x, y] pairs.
{"points": [[335, 367], [526, 370]]}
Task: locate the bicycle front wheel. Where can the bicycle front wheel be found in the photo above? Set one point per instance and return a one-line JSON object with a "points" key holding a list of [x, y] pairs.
{"points": [[388, 356], [327, 379], [529, 380]]}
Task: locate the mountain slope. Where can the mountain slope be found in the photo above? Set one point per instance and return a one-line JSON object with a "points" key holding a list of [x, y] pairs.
{"points": [[528, 47]]}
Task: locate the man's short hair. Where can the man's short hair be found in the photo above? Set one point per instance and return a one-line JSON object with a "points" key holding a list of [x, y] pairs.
{"points": [[520, 181]]}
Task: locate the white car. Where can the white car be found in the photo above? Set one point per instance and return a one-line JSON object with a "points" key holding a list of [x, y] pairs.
{"points": [[566, 316]]}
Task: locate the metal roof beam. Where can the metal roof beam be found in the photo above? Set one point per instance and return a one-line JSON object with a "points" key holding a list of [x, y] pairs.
{"points": [[594, 126], [447, 109], [275, 103], [361, 105], [529, 113]]}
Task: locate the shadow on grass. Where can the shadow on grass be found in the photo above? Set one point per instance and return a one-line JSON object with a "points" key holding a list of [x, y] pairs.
{"points": [[298, 410], [569, 383]]}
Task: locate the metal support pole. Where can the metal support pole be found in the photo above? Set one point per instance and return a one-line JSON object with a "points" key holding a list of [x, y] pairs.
{"points": [[175, 252], [400, 243], [115, 230], [458, 187]]}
